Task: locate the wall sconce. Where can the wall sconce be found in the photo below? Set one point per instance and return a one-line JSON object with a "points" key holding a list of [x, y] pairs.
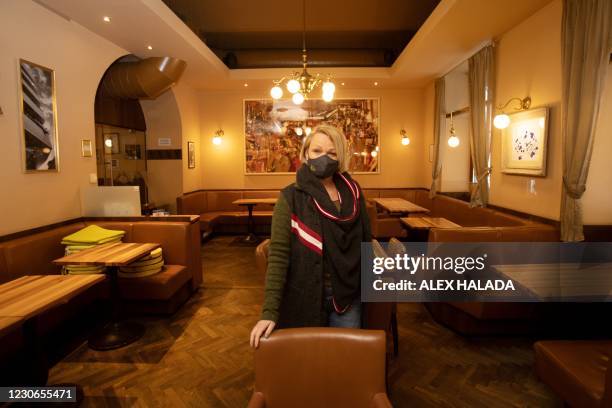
{"points": [[218, 137], [502, 120], [453, 140], [405, 138]]}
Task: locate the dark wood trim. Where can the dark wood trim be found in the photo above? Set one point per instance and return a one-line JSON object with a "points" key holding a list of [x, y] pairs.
{"points": [[25, 233], [164, 154], [192, 219], [598, 233], [530, 217]]}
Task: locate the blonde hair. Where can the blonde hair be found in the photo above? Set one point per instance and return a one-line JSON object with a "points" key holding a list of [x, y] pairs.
{"points": [[338, 139]]}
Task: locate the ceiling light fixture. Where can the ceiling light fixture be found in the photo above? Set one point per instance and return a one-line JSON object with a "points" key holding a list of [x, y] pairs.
{"points": [[502, 120], [300, 85], [453, 140], [106, 19], [149, 47]]}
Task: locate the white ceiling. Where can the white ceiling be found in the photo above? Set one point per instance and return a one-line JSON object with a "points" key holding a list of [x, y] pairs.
{"points": [[452, 33]]}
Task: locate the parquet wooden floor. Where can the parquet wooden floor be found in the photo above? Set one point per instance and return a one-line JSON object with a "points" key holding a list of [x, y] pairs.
{"points": [[200, 356]]}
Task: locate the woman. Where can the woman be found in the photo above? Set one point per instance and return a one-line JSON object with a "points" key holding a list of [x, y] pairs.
{"points": [[314, 258]]}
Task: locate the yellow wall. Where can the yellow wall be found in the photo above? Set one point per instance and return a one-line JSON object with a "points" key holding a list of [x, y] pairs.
{"points": [[597, 199], [79, 59], [400, 166], [529, 64], [189, 109], [164, 177]]}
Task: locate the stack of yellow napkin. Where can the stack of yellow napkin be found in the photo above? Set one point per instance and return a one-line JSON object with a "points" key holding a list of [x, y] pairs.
{"points": [[85, 238], [146, 266]]}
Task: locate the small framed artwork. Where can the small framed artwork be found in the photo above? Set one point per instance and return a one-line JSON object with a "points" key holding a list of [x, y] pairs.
{"points": [[191, 155], [524, 143], [38, 118], [133, 152], [86, 148], [431, 153], [111, 143]]}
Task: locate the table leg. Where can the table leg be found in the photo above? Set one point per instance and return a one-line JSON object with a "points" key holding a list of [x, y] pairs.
{"points": [[251, 237], [36, 359], [115, 334]]}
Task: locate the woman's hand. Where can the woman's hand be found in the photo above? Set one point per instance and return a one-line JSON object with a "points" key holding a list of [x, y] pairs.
{"points": [[262, 328]]}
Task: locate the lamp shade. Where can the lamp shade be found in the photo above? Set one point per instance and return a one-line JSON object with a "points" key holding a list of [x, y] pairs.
{"points": [[501, 121], [297, 98], [276, 92], [293, 86]]}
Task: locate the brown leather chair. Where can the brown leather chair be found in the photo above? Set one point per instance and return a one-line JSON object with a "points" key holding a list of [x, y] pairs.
{"points": [[322, 366], [580, 372]]}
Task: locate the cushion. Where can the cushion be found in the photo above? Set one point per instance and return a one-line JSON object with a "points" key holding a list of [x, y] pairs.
{"points": [[159, 286], [92, 234], [576, 370]]}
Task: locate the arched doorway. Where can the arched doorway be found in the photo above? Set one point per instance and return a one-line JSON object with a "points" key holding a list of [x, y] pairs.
{"points": [[138, 137]]}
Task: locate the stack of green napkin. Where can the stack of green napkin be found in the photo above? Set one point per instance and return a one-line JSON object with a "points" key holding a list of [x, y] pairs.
{"points": [[85, 238], [146, 266]]}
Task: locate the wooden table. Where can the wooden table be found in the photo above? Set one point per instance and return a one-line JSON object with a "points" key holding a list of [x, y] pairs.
{"points": [[117, 333], [558, 282], [399, 205], [21, 302], [425, 223], [251, 238]]}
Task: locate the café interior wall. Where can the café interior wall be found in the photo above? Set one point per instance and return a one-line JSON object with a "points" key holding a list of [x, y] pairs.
{"points": [[79, 59], [222, 166], [165, 176], [528, 59], [597, 199]]}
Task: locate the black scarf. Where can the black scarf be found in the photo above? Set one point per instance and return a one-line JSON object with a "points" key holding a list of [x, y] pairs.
{"points": [[342, 236]]}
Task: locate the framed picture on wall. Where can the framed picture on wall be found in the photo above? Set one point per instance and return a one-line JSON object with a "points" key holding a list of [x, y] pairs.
{"points": [[274, 130], [524, 143], [38, 118], [191, 155], [86, 148]]}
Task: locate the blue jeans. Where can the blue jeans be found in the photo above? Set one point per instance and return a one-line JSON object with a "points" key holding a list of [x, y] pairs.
{"points": [[349, 319]]}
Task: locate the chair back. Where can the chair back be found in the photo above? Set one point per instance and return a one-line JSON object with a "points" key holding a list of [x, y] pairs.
{"points": [[320, 366]]}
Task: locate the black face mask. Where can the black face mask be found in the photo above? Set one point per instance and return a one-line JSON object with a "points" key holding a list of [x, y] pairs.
{"points": [[323, 166]]}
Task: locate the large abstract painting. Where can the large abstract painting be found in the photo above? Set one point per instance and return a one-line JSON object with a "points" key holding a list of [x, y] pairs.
{"points": [[274, 131], [524, 143], [39, 118]]}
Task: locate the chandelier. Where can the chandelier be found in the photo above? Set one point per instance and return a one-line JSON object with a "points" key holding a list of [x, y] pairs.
{"points": [[301, 84]]}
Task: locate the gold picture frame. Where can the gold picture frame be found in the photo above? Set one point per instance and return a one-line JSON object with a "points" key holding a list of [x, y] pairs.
{"points": [[524, 143], [38, 111], [86, 148], [272, 139]]}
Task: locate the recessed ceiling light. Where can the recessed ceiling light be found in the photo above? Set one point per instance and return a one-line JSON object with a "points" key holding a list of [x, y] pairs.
{"points": [[342, 83], [106, 19], [375, 83], [245, 84], [149, 47]]}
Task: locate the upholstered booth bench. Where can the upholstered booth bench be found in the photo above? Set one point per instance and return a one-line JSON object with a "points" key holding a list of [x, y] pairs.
{"points": [[32, 254], [579, 371], [218, 213], [484, 224]]}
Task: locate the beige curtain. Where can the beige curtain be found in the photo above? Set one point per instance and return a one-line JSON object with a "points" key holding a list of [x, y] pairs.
{"points": [[585, 54], [439, 119], [481, 81]]}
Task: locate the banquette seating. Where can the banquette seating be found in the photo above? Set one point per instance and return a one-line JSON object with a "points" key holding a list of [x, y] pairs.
{"points": [[580, 372], [218, 213], [160, 293]]}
